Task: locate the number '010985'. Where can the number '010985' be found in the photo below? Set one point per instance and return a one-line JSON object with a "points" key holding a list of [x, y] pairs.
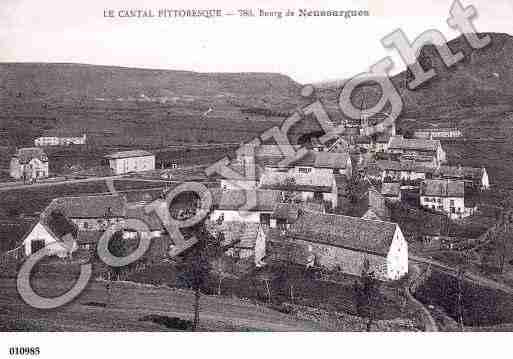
{"points": [[24, 351]]}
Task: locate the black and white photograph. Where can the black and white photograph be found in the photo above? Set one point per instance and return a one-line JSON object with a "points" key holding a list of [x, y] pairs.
{"points": [[316, 167]]}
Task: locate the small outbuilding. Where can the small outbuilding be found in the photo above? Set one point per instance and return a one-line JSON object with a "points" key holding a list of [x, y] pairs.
{"points": [[131, 161]]}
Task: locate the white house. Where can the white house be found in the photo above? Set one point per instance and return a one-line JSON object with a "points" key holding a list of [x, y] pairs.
{"points": [[345, 243], [131, 161], [445, 196], [269, 157], [58, 140], [251, 206], [29, 164], [437, 133], [53, 231], [68, 222]]}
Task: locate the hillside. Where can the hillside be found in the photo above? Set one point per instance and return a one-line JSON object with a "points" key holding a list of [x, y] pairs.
{"points": [[475, 95], [158, 105], [481, 82]]}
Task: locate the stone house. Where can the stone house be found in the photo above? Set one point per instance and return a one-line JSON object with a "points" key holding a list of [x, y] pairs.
{"points": [[430, 152], [345, 243], [29, 164], [303, 187]]}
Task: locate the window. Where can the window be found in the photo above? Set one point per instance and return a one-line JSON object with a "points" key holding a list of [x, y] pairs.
{"points": [[265, 218], [452, 203], [453, 210]]}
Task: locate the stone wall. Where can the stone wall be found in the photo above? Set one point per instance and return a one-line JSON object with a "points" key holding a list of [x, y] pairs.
{"points": [[329, 257]]}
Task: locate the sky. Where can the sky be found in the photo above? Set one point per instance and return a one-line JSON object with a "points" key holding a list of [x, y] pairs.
{"points": [[307, 49]]}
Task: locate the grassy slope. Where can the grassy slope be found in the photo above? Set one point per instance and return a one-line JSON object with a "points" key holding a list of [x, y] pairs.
{"points": [[137, 106]]}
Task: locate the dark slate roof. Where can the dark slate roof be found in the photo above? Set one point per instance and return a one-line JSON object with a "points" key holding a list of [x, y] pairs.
{"points": [[60, 225], [398, 142], [461, 172], [128, 154], [266, 200], [442, 188], [411, 166], [343, 231], [283, 181], [390, 189], [88, 206], [25, 155]]}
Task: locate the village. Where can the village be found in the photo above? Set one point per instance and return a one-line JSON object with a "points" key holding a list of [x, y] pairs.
{"points": [[374, 208]]}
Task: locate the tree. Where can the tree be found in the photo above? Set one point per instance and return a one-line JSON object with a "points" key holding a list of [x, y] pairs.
{"points": [[369, 300], [196, 263], [266, 277], [220, 269]]}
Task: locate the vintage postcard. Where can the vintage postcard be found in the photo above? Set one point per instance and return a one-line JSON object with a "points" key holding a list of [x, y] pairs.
{"points": [[272, 166]]}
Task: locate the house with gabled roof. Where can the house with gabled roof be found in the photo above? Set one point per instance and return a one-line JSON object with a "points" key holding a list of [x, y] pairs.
{"points": [[270, 157], [421, 150], [61, 138], [245, 240], [86, 218], [131, 161], [473, 177], [302, 187], [90, 213], [53, 231], [248, 206], [29, 164], [445, 196], [345, 243]]}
